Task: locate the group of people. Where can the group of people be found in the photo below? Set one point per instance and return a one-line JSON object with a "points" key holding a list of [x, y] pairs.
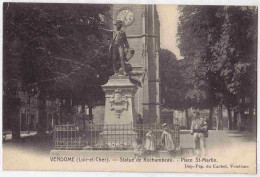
{"points": [[199, 131], [167, 142]]}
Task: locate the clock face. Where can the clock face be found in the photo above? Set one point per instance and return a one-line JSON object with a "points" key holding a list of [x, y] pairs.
{"points": [[126, 16]]}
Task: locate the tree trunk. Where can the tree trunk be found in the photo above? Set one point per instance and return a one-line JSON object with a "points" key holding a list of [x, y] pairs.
{"points": [[84, 117], [235, 120], [210, 122], [217, 123], [90, 108], [220, 118], [187, 119], [250, 119], [242, 124], [230, 125], [42, 117], [14, 105]]}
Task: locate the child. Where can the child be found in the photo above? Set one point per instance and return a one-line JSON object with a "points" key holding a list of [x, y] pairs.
{"points": [[167, 139], [150, 145]]}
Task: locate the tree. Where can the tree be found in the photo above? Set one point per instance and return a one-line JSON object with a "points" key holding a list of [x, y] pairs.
{"points": [[172, 83], [198, 30], [219, 44], [237, 50], [63, 52], [173, 86]]}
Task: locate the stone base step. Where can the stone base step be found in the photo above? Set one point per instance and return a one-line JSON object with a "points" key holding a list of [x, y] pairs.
{"points": [[185, 152]]}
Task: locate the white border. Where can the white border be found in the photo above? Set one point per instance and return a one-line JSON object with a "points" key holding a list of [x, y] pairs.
{"points": [[183, 2], [109, 174]]}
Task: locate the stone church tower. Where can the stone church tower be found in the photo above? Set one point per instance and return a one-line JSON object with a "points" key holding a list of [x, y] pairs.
{"points": [[143, 33]]}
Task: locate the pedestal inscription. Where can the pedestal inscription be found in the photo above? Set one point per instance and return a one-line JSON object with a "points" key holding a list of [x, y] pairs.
{"points": [[118, 102]]}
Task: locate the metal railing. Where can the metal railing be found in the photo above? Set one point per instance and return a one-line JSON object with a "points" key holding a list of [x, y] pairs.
{"points": [[67, 137], [107, 137]]}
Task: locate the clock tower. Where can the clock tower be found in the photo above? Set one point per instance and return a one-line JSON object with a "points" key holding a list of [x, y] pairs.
{"points": [[142, 28]]}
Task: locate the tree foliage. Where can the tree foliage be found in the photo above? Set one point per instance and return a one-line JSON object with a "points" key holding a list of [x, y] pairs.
{"points": [[63, 51], [173, 88], [219, 46]]}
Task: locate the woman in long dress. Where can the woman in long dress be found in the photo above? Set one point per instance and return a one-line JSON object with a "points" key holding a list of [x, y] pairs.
{"points": [[167, 138]]}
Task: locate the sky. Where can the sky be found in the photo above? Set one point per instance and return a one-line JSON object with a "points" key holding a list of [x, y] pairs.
{"points": [[168, 16]]}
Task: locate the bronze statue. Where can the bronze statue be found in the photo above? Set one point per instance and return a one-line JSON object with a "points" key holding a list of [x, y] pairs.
{"points": [[119, 51]]}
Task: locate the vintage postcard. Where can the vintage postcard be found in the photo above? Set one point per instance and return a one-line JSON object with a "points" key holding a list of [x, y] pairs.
{"points": [[129, 87]]}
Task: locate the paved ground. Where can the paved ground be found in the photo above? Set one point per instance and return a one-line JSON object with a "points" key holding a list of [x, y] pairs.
{"points": [[33, 152], [219, 137], [31, 144], [219, 141]]}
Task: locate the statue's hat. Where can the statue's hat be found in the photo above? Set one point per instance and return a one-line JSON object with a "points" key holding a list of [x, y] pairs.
{"points": [[119, 22]]}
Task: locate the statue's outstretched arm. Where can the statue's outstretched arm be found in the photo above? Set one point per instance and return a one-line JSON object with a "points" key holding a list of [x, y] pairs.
{"points": [[108, 30]]}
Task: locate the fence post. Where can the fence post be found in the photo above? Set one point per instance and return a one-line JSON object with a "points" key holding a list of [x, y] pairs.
{"points": [[67, 135], [123, 135], [107, 134], [95, 134], [115, 135], [54, 137], [156, 135], [131, 133]]}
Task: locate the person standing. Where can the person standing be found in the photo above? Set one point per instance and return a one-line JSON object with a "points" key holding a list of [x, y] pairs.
{"points": [[140, 125], [167, 140], [139, 119], [150, 145], [199, 131]]}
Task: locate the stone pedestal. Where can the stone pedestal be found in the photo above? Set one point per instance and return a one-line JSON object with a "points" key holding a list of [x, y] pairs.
{"points": [[119, 107], [120, 112]]}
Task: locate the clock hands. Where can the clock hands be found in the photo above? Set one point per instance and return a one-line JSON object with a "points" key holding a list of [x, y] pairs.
{"points": [[125, 16]]}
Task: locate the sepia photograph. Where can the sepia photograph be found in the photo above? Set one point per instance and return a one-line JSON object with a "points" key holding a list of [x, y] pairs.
{"points": [[129, 87]]}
